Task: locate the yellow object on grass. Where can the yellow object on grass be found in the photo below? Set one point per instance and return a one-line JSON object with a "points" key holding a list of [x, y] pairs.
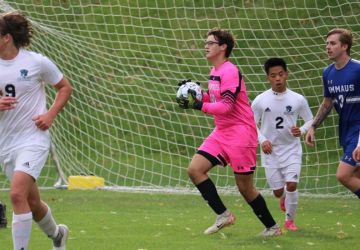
{"points": [[85, 182]]}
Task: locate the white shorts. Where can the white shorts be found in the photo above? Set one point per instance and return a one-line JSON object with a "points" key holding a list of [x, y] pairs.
{"points": [[29, 160], [277, 177]]}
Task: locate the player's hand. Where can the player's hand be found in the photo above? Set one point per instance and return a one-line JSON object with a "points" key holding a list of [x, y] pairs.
{"points": [[310, 137], [43, 121], [356, 154], [183, 102], [266, 147], [193, 102], [295, 131], [7, 103]]}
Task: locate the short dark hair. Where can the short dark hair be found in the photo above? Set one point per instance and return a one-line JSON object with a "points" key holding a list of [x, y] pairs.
{"points": [[223, 37], [345, 37], [17, 25], [273, 62]]}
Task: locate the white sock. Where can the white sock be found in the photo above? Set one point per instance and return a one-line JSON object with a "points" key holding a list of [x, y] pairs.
{"points": [[48, 224], [291, 203], [21, 229]]}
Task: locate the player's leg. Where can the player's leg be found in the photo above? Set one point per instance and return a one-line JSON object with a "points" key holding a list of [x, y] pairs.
{"points": [[243, 162], [22, 167], [348, 170], [43, 217], [292, 176], [279, 193], [256, 201], [21, 183], [200, 164], [357, 172], [276, 181], [291, 204], [347, 175]]}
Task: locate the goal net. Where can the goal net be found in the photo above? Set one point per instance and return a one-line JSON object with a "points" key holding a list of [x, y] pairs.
{"points": [[124, 59]]}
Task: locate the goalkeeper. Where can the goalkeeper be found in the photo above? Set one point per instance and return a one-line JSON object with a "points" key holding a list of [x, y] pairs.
{"points": [[234, 139]]}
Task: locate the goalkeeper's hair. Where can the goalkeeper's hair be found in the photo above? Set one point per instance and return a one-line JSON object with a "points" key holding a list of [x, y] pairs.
{"points": [[223, 37], [18, 26], [273, 62]]}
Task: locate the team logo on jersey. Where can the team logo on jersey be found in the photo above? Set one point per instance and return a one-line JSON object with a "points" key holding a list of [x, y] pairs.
{"points": [[289, 110], [26, 164], [24, 75], [267, 109]]}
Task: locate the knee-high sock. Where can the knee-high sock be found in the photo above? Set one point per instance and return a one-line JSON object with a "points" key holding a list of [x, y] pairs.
{"points": [[291, 204], [210, 194], [262, 212], [21, 230], [48, 224]]}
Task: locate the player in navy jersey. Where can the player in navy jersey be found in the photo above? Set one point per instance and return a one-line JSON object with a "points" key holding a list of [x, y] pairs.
{"points": [[341, 81]]}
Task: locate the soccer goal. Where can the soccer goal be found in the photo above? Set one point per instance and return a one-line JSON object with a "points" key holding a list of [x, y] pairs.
{"points": [[124, 59]]}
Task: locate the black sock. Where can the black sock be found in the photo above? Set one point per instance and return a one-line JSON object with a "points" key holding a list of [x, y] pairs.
{"points": [[210, 194], [262, 212], [357, 193]]}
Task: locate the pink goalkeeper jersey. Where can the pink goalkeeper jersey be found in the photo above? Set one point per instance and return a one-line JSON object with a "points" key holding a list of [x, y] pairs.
{"points": [[227, 101]]}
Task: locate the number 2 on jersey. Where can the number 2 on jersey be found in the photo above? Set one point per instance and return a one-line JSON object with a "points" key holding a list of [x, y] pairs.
{"points": [[279, 120]]}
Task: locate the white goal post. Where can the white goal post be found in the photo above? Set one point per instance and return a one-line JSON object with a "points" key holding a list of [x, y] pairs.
{"points": [[124, 59]]}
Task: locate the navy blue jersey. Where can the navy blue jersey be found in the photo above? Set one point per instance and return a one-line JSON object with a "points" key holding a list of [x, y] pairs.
{"points": [[343, 87]]}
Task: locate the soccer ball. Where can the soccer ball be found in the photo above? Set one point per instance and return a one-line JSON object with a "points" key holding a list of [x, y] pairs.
{"points": [[183, 90]]}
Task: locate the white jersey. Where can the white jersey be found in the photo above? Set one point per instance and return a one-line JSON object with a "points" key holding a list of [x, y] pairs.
{"points": [[23, 77], [278, 113]]}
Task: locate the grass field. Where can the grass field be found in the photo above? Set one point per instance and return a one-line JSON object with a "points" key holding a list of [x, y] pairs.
{"points": [[124, 59], [133, 221]]}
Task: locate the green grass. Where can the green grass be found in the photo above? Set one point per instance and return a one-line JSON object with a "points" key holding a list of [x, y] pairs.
{"points": [[124, 59], [153, 221]]}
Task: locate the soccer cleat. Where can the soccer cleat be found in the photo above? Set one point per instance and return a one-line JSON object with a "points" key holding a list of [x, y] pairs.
{"points": [[222, 221], [282, 203], [3, 221], [59, 242], [290, 225], [272, 231]]}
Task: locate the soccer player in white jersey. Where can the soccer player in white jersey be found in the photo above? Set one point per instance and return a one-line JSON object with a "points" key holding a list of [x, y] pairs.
{"points": [[24, 124], [341, 81], [277, 110]]}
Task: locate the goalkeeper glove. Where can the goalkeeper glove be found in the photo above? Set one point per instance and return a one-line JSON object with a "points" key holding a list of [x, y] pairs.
{"points": [[183, 102], [193, 102]]}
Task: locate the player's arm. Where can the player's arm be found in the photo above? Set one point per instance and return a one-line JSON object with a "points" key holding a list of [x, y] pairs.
{"points": [[230, 87], [306, 115], [322, 113], [265, 144], [297, 132], [225, 105], [64, 89]]}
